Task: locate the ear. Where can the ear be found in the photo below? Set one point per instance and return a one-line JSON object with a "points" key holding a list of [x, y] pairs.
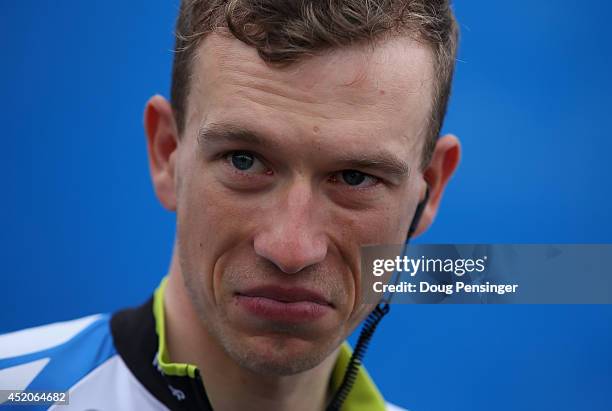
{"points": [[162, 143], [443, 164]]}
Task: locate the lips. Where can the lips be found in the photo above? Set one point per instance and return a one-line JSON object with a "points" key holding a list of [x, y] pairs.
{"points": [[286, 295], [280, 304]]}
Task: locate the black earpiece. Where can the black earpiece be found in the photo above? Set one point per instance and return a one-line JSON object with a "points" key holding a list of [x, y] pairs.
{"points": [[417, 215]]}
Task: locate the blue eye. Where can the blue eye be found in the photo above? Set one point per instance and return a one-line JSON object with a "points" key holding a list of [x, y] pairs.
{"points": [[246, 162], [353, 177], [242, 161]]}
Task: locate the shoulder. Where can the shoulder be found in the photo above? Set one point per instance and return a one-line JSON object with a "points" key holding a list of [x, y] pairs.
{"points": [[78, 357], [54, 356]]}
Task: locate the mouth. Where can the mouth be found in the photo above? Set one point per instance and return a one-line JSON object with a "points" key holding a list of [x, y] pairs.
{"points": [[286, 305]]}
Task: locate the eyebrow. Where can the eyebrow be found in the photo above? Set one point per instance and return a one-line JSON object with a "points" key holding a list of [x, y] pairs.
{"points": [[224, 133], [384, 161]]}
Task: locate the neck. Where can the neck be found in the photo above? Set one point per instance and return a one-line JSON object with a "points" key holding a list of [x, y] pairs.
{"points": [[229, 386]]}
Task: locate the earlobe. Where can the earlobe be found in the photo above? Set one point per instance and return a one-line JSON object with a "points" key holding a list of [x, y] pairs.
{"points": [[443, 164], [162, 143]]}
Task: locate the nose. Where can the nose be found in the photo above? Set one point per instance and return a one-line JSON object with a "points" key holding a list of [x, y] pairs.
{"points": [[293, 237]]}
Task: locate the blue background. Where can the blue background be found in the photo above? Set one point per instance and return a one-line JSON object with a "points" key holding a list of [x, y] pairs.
{"points": [[82, 231]]}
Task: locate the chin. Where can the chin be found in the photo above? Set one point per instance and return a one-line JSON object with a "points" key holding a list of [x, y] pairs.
{"points": [[278, 355]]}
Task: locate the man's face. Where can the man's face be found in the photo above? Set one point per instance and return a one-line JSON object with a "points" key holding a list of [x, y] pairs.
{"points": [[281, 175]]}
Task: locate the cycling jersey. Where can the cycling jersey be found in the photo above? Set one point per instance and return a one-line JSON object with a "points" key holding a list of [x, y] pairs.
{"points": [[120, 362]]}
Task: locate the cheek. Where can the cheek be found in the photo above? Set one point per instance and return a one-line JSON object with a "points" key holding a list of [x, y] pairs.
{"points": [[385, 225], [209, 225]]}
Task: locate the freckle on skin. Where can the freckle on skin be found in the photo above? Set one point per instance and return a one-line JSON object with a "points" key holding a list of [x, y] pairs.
{"points": [[381, 92], [315, 129]]}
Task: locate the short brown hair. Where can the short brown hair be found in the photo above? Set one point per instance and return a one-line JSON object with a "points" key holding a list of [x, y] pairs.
{"points": [[283, 31]]}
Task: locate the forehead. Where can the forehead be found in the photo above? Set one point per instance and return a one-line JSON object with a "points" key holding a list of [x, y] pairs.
{"points": [[359, 90]]}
